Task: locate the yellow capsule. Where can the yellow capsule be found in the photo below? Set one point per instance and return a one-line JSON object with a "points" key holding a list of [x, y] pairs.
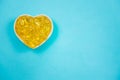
{"points": [[22, 22]]}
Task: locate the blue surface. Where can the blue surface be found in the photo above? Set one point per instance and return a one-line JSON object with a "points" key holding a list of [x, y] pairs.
{"points": [[85, 44]]}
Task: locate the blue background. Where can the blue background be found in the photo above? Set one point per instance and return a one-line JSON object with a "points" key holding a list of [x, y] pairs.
{"points": [[85, 44]]}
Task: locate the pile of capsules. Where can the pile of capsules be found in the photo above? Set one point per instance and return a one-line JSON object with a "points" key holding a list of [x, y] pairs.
{"points": [[33, 30]]}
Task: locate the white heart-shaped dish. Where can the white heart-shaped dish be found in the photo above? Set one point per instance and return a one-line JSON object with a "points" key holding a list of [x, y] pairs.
{"points": [[33, 31]]}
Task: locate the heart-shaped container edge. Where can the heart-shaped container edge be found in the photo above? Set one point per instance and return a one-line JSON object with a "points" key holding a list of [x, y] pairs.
{"points": [[34, 16]]}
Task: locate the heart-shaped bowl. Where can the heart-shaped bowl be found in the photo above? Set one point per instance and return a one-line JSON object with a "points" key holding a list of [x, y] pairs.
{"points": [[43, 41]]}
